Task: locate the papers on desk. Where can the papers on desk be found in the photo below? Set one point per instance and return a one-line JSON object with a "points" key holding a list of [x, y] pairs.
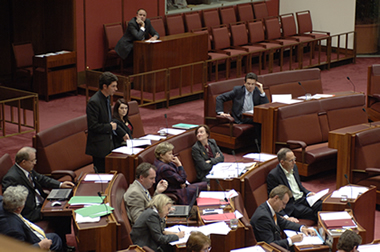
{"points": [[317, 96], [218, 194], [153, 41], [218, 217], [86, 200], [229, 170], [153, 137], [80, 219], [138, 142], [51, 54], [352, 192], [369, 248], [127, 150], [214, 228], [256, 248], [307, 240], [95, 210], [284, 98], [340, 219], [184, 126], [260, 157], [171, 131], [312, 199], [98, 178]]}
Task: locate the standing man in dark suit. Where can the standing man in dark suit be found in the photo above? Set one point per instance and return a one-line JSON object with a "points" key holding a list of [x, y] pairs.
{"points": [[243, 98], [286, 173], [22, 173], [268, 225], [100, 127], [14, 225], [139, 28]]}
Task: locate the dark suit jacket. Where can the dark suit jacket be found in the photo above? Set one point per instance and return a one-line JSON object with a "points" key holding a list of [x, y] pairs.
{"points": [[99, 139], [266, 229], [237, 96], [121, 130], [277, 177], [16, 177], [200, 157], [125, 44]]}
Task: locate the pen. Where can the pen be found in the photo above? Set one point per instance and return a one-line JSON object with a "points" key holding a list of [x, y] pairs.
{"points": [[179, 229]]}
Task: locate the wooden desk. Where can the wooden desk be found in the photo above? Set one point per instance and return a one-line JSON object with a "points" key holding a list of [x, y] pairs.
{"points": [[332, 240], [173, 50], [55, 74], [363, 208]]}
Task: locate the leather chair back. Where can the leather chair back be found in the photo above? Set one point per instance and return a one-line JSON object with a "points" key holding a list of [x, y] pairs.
{"points": [[288, 25], [174, 24], [245, 12], [227, 15], [158, 25], [304, 22], [113, 33], [192, 21], [239, 34], [24, 54], [210, 18], [272, 28], [5, 165], [261, 10], [256, 31], [135, 119]]}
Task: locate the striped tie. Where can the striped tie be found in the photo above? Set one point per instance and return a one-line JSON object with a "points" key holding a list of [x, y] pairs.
{"points": [[34, 228]]}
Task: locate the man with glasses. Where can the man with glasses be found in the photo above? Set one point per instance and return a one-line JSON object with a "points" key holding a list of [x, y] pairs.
{"points": [[268, 225], [286, 173], [22, 173]]}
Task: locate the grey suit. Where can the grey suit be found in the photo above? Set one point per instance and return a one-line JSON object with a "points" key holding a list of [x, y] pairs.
{"points": [[135, 201], [148, 231], [266, 229], [200, 157], [125, 45]]}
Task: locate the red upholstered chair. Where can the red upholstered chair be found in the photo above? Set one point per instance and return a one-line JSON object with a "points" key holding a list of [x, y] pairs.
{"points": [[5, 165], [245, 12], [23, 53], [192, 21], [227, 15], [158, 25], [135, 119], [261, 10], [373, 92], [113, 32], [289, 30], [305, 25], [210, 18], [174, 24]]}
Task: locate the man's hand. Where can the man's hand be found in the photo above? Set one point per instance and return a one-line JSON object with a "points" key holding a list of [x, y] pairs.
{"points": [[297, 238], [225, 115], [217, 155], [311, 194], [45, 244], [126, 137], [162, 186], [183, 185], [181, 234], [260, 87], [308, 231], [292, 219], [113, 125], [140, 22], [67, 184], [153, 38], [176, 161]]}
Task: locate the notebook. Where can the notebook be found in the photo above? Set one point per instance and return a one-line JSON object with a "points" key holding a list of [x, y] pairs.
{"points": [[59, 194], [182, 210]]}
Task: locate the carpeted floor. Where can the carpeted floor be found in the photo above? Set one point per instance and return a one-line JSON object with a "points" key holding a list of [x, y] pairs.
{"points": [[66, 107]]}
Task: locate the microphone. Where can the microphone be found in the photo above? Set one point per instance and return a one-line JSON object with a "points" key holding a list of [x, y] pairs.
{"points": [[307, 95], [348, 203], [345, 175], [103, 199], [237, 165], [257, 145], [348, 78], [367, 116], [167, 126], [100, 178], [225, 196]]}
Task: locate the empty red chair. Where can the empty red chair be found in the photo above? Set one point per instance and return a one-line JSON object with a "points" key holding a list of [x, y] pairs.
{"points": [[305, 25], [113, 32], [158, 25], [221, 40], [211, 18], [192, 21], [245, 12], [24, 54], [288, 27], [261, 10], [174, 24], [227, 15]]}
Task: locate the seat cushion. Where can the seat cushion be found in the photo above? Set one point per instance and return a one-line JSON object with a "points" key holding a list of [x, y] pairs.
{"points": [[315, 153], [238, 129]]}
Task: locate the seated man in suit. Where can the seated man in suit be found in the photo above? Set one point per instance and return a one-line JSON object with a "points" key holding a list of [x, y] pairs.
{"points": [[14, 225], [137, 195], [349, 242], [268, 225], [286, 173], [243, 98]]}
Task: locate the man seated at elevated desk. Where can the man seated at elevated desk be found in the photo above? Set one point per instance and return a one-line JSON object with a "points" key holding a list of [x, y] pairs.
{"points": [[137, 195], [267, 223], [243, 98], [139, 28], [286, 173]]}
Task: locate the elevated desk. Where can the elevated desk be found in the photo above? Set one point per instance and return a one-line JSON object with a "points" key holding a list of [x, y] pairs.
{"points": [[173, 50], [55, 74], [363, 209], [332, 240]]}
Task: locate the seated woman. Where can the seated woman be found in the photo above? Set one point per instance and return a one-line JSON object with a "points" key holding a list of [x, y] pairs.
{"points": [[170, 168], [148, 229], [205, 152], [198, 242], [124, 127]]}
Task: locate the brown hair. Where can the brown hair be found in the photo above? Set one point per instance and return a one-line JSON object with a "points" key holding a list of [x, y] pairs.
{"points": [[207, 129], [280, 191], [196, 241]]}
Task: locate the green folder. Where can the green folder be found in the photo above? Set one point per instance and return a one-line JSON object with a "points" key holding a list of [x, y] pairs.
{"points": [[86, 199], [185, 126], [94, 210]]}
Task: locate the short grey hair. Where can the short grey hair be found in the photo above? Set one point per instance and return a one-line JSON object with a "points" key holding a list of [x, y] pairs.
{"points": [[14, 197]]}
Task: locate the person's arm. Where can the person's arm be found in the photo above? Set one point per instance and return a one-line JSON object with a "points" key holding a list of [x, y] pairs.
{"points": [[135, 30], [264, 231], [151, 30], [94, 113], [135, 204], [199, 160], [154, 227], [218, 159], [220, 99], [172, 176]]}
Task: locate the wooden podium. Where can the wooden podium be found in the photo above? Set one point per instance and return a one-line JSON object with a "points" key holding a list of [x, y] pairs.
{"points": [[363, 209]]}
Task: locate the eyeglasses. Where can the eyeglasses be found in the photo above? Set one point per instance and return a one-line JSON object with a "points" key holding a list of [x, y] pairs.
{"points": [[206, 249], [291, 160]]}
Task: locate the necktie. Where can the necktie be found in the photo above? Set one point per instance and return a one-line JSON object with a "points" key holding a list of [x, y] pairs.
{"points": [[148, 195], [275, 218], [30, 179], [36, 229], [109, 112]]}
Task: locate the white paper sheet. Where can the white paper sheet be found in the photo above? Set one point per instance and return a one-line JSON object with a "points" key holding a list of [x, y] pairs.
{"points": [[281, 97], [127, 150], [171, 131], [218, 194], [312, 199], [369, 248], [307, 240], [339, 215], [138, 142], [352, 192], [261, 157], [98, 178], [153, 137], [80, 219], [228, 170], [256, 248]]}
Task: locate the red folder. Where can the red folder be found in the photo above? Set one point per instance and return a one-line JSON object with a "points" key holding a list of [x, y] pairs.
{"points": [[210, 202], [218, 217], [339, 223]]}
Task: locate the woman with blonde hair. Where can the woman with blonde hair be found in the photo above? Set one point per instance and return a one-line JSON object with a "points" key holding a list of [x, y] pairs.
{"points": [[148, 229], [170, 168]]}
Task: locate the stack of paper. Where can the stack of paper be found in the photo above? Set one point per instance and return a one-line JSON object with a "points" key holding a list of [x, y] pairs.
{"points": [[229, 170], [260, 157], [351, 192], [218, 217], [98, 178], [184, 126], [307, 240], [127, 150], [171, 131], [339, 219], [94, 210]]}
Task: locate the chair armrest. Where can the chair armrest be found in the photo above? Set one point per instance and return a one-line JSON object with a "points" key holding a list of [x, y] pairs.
{"points": [[223, 119], [376, 96], [279, 247], [221, 51], [61, 173], [299, 144], [327, 33], [374, 171]]}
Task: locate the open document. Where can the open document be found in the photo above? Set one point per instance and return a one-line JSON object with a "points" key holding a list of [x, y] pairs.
{"points": [[312, 199], [307, 239], [260, 157], [229, 170], [351, 192]]}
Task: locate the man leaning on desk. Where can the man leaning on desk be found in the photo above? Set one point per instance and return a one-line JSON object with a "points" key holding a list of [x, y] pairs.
{"points": [[139, 28], [243, 98], [268, 225]]}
